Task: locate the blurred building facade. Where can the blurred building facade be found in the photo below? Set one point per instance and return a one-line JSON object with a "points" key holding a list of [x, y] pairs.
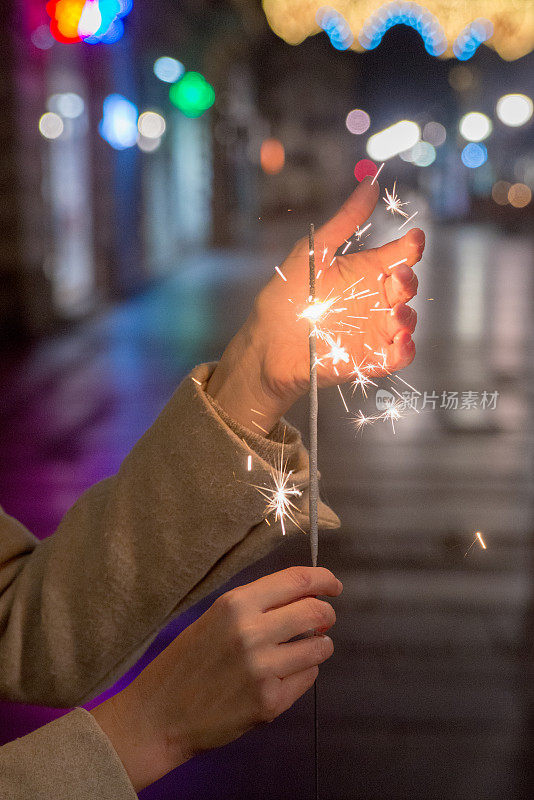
{"points": [[86, 222]]}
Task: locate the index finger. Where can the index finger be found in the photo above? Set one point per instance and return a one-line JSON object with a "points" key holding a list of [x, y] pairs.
{"points": [[353, 213], [291, 584]]}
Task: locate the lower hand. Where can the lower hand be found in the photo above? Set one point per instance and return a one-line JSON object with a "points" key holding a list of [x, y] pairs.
{"points": [[266, 366], [231, 670]]}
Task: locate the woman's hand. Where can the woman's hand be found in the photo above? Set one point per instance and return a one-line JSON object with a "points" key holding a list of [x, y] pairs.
{"points": [[231, 670], [266, 365]]}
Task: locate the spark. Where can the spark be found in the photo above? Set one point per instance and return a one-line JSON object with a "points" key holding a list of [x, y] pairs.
{"points": [[279, 496], [378, 173], [342, 398], [397, 263], [319, 274], [255, 411], [348, 289], [325, 251], [393, 414], [281, 274], [349, 242], [337, 352], [317, 309], [398, 377], [478, 538], [249, 463], [332, 261], [380, 309], [259, 426], [358, 233], [408, 220], [360, 420], [412, 406], [361, 380], [197, 382], [393, 202]]}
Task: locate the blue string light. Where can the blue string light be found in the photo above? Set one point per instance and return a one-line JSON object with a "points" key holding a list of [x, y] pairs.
{"points": [[471, 38], [411, 14], [336, 27]]}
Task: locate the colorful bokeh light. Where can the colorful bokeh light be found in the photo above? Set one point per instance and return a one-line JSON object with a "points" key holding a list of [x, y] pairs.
{"points": [[272, 156], [474, 155], [364, 168], [91, 21], [519, 195], [168, 69], [358, 121], [192, 94], [118, 125]]}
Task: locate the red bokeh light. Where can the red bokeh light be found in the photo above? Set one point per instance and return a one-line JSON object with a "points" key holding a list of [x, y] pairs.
{"points": [[64, 18], [364, 168]]}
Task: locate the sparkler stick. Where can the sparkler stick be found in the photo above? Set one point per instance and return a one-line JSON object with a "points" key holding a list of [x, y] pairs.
{"points": [[313, 413], [314, 482]]}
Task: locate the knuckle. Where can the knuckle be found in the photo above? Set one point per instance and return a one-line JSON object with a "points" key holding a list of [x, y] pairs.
{"points": [[299, 577], [230, 604], [268, 702], [246, 638], [320, 612]]}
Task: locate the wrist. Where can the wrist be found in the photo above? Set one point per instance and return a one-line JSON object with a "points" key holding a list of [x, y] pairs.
{"points": [[145, 754], [239, 387]]}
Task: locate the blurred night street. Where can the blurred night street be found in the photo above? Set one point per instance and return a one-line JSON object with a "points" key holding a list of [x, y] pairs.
{"points": [[122, 266]]}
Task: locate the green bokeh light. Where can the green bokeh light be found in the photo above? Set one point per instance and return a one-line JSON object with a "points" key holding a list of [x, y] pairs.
{"points": [[192, 94]]}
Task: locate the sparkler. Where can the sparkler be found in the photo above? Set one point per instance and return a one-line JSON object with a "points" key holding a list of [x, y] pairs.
{"points": [[313, 409], [314, 478]]}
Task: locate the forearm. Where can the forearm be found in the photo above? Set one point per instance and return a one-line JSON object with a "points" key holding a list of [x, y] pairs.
{"points": [[177, 521], [66, 759]]}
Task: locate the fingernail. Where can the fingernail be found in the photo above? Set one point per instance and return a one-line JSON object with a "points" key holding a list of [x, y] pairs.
{"points": [[403, 313], [339, 585], [418, 237], [403, 272]]}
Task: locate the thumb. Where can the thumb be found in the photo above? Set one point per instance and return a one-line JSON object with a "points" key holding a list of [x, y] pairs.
{"points": [[353, 213]]}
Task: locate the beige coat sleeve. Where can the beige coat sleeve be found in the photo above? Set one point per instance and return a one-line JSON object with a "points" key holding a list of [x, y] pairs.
{"points": [[178, 519], [68, 759]]}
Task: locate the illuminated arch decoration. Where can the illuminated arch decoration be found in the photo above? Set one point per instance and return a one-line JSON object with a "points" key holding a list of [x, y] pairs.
{"points": [[90, 21], [410, 14], [449, 28]]}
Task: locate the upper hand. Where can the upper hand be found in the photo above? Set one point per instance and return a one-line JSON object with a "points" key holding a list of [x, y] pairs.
{"points": [[267, 363]]}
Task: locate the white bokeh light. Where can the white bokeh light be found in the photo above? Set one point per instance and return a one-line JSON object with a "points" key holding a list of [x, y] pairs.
{"points": [[475, 126], [147, 144], [393, 140], [151, 125], [68, 104], [514, 109], [51, 125]]}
